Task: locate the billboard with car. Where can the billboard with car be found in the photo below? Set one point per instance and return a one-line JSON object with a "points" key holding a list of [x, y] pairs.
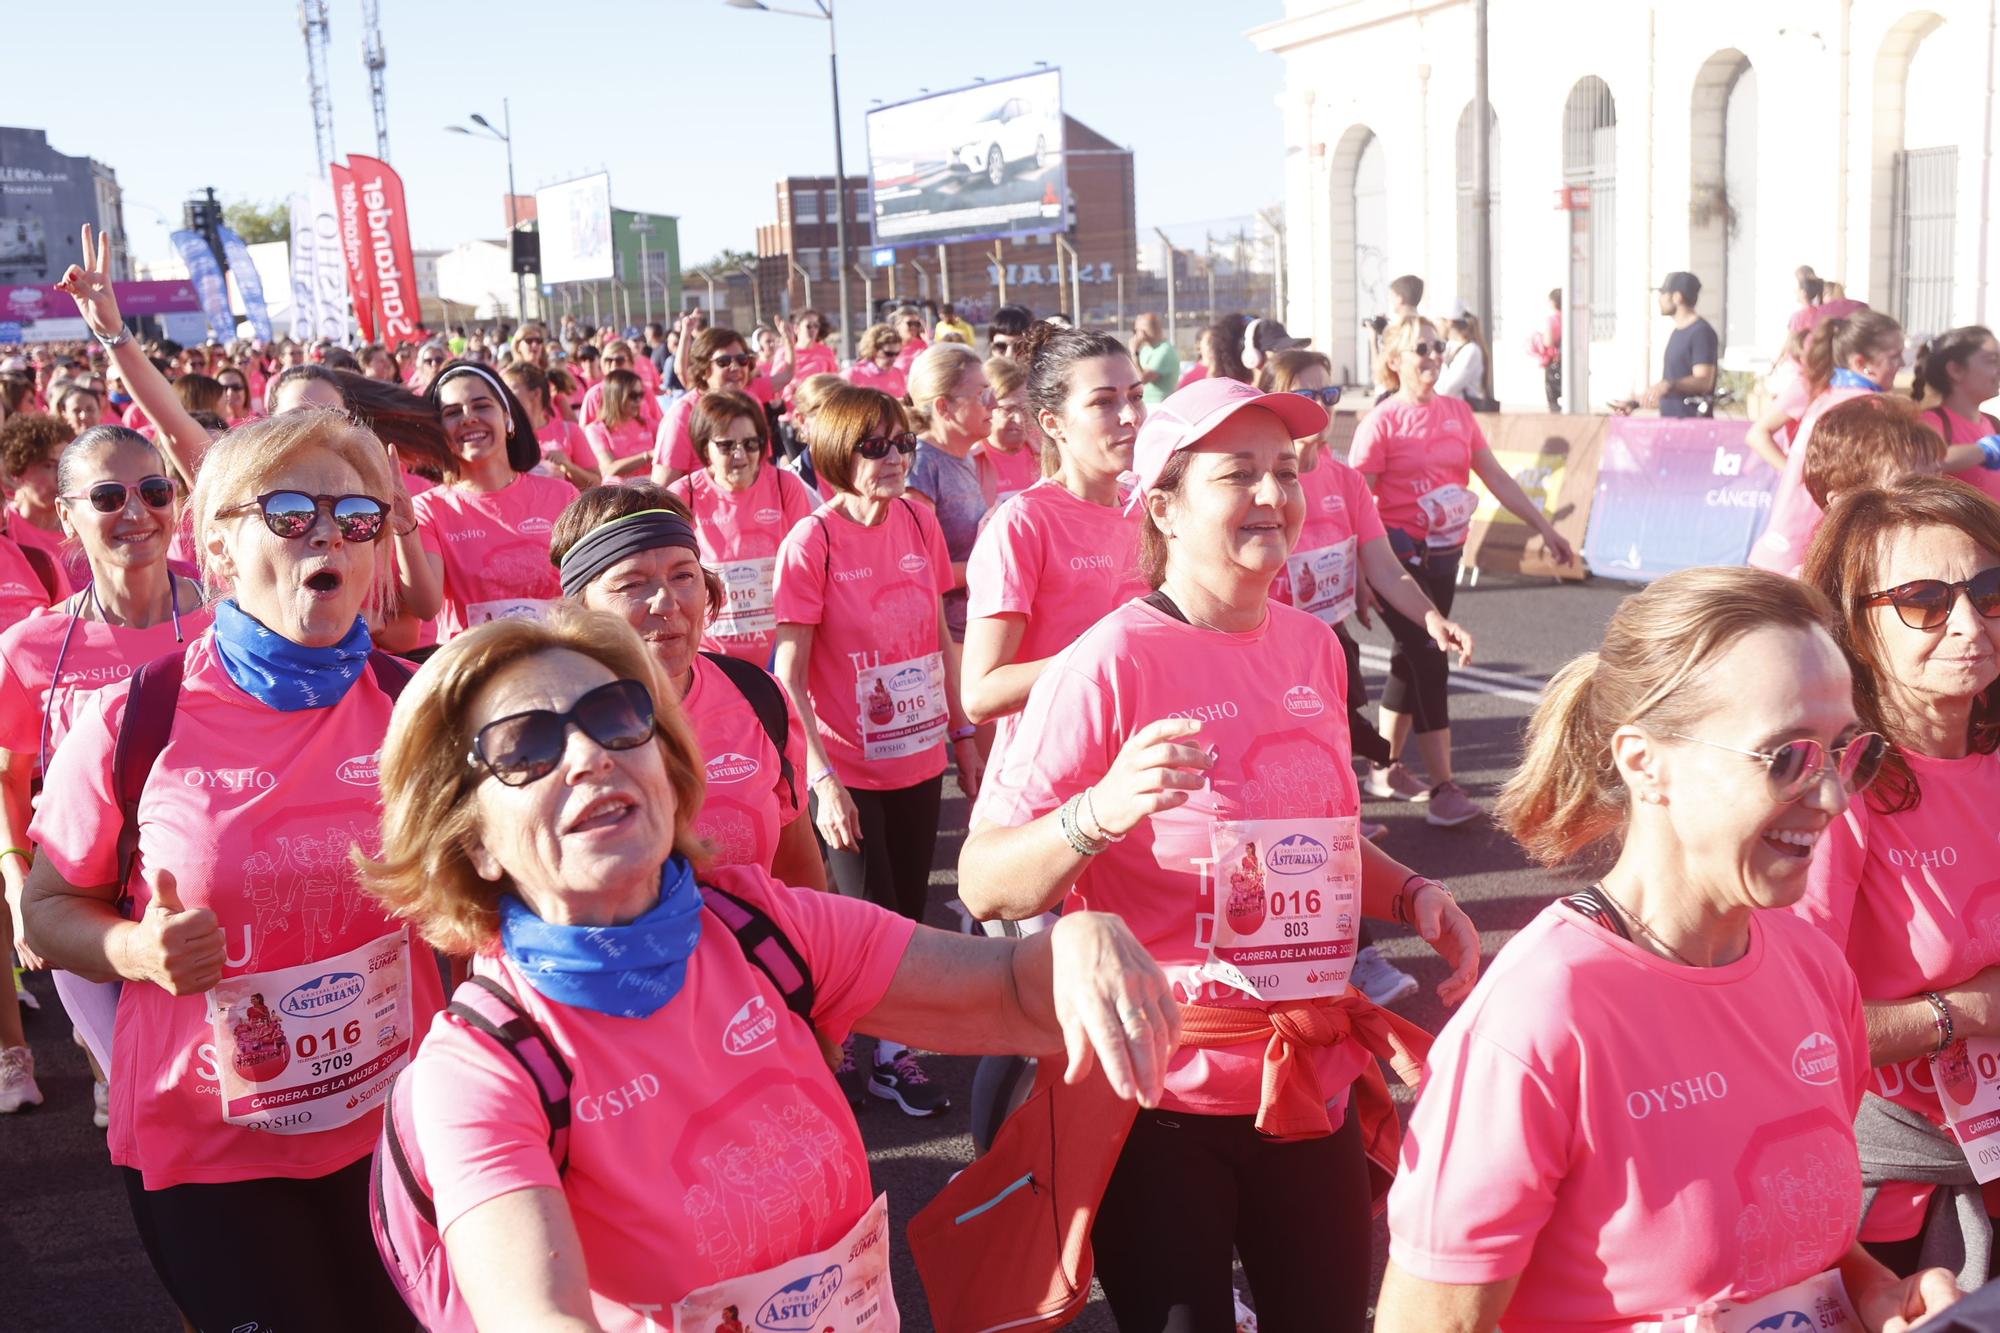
{"points": [[975, 162]]}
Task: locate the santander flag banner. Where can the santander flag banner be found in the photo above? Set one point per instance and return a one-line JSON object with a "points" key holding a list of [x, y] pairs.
{"points": [[389, 269], [319, 271], [347, 204]]}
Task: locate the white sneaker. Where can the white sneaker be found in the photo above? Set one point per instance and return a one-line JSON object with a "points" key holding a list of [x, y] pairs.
{"points": [[17, 1080], [100, 1105], [1379, 979]]}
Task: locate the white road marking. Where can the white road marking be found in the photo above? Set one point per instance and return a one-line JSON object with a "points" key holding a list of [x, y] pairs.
{"points": [[1500, 684]]}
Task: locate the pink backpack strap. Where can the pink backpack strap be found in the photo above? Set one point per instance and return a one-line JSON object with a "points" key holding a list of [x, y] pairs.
{"points": [[484, 1005], [766, 946]]}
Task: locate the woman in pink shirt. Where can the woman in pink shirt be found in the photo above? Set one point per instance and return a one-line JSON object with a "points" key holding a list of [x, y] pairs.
{"points": [[619, 355], [1959, 371], [742, 505], [1185, 764], [1643, 1117], [1418, 450], [908, 325], [1905, 885], [267, 1004], [29, 446], [812, 354], [708, 1161], [719, 360], [873, 672], [1010, 457], [237, 404], [565, 448], [621, 439], [775, 361], [875, 362]]}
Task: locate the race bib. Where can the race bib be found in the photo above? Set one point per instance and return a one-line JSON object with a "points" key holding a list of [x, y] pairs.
{"points": [[747, 597], [842, 1289], [1287, 906], [1817, 1305], [903, 710], [310, 1048], [1967, 1074], [529, 608], [1325, 581], [1448, 510]]}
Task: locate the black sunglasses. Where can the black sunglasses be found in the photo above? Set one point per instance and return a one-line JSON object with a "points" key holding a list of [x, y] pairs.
{"points": [[1930, 601], [1427, 349], [733, 359], [525, 747], [108, 497], [1326, 397], [290, 514], [878, 446]]}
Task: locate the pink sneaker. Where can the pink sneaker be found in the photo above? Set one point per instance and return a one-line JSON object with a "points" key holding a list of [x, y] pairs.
{"points": [[1396, 783], [1450, 806], [17, 1080]]}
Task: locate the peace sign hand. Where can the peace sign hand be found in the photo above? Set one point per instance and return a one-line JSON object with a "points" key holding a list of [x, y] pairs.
{"points": [[89, 285]]}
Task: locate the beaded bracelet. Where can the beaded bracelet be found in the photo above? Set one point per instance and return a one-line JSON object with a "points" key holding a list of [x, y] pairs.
{"points": [[1946, 1031], [1080, 842]]}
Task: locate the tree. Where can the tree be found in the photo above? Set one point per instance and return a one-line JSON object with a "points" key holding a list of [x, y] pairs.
{"points": [[726, 261], [257, 223]]}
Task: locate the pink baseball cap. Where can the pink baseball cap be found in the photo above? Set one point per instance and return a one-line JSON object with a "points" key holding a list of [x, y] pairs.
{"points": [[1188, 414]]}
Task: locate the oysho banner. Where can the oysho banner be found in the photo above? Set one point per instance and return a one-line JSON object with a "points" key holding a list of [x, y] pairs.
{"points": [[206, 275], [389, 270], [347, 201], [247, 282], [319, 273]]}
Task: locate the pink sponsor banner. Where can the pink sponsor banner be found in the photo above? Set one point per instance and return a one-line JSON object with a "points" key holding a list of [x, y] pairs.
{"points": [[389, 273], [29, 305], [347, 207]]}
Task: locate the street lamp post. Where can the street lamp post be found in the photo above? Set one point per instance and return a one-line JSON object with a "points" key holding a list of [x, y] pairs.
{"points": [[823, 9], [505, 136], [644, 229]]}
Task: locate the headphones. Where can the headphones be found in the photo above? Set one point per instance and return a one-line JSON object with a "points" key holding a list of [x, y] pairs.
{"points": [[1253, 355]]}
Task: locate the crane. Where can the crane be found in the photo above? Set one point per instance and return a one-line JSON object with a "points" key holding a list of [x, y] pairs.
{"points": [[377, 60], [312, 22]]}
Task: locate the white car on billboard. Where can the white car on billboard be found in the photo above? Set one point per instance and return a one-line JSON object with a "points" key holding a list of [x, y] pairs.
{"points": [[1013, 133]]}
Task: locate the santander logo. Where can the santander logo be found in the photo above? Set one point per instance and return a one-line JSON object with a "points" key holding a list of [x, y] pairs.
{"points": [[731, 767], [1304, 701], [913, 564], [1817, 1059], [754, 1027], [363, 770]]}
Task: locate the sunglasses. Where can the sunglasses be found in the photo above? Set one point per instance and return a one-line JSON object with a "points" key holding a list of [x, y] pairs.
{"points": [[1795, 766], [431, 361], [525, 747], [878, 446], [108, 497], [291, 514], [532, 342], [1427, 349], [733, 359], [747, 448], [1326, 397], [1927, 603]]}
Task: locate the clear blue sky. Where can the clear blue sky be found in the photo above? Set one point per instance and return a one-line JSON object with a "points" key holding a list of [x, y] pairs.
{"points": [[694, 108]]}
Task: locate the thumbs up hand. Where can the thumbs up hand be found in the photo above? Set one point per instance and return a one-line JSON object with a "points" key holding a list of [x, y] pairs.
{"points": [[177, 949]]}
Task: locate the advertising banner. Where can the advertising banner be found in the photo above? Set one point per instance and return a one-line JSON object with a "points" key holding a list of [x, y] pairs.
{"points": [[1554, 461], [206, 275], [574, 219], [248, 283], [319, 270], [347, 204], [972, 163], [1675, 493], [389, 269]]}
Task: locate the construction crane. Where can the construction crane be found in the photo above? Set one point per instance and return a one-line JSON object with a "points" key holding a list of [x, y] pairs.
{"points": [[312, 22], [376, 59]]}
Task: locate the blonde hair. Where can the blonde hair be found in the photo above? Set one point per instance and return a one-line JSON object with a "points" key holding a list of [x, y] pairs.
{"points": [[871, 341], [1398, 338], [425, 873], [1005, 375], [936, 369], [239, 465], [1567, 797]]}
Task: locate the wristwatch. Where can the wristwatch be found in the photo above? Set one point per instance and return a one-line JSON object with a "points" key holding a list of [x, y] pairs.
{"points": [[122, 337]]}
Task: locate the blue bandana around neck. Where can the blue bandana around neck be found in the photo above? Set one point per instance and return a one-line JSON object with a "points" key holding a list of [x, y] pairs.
{"points": [[287, 676], [628, 971], [1844, 378]]}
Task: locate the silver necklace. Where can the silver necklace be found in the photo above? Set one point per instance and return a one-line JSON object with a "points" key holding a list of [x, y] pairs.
{"points": [[1640, 922]]}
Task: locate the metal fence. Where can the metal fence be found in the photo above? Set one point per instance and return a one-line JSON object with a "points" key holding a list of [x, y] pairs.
{"points": [[1590, 158], [1926, 228]]}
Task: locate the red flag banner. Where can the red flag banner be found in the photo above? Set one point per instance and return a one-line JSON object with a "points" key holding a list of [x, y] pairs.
{"points": [[347, 203], [389, 266]]}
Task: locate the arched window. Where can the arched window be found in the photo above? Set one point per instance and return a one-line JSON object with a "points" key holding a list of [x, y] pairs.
{"points": [[1468, 265], [1590, 157], [1722, 217], [1359, 236]]}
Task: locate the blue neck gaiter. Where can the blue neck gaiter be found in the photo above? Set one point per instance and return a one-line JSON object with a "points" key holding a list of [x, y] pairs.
{"points": [[628, 971], [1844, 378], [287, 676]]}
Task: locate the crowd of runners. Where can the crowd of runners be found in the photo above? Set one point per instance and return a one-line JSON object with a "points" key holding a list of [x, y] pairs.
{"points": [[478, 802]]}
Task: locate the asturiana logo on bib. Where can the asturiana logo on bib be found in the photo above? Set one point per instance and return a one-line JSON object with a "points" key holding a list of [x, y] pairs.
{"points": [[909, 680], [795, 1307], [363, 770], [754, 1027], [1304, 701], [731, 767], [1296, 855], [1817, 1059], [323, 995], [913, 564]]}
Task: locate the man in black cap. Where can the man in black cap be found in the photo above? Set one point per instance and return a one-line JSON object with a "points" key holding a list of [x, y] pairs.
{"points": [[1688, 378]]}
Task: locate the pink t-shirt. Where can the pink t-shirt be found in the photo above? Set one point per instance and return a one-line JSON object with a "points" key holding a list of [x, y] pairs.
{"points": [[700, 1147], [1794, 516], [748, 801], [1960, 431], [912, 349], [815, 359], [650, 411], [74, 564], [566, 436], [1197, 371], [868, 375], [674, 442], [1628, 1166], [22, 589], [1413, 450], [97, 655], [608, 445], [1914, 900], [740, 532], [254, 811], [872, 596], [1273, 707], [1002, 475], [495, 546], [1338, 506]]}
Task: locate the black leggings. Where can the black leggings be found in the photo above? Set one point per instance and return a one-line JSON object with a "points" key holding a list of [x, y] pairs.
{"points": [[1419, 671], [899, 833], [276, 1256], [1190, 1189], [1363, 739]]}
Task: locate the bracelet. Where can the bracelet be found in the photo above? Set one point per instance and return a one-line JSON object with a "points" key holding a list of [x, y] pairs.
{"points": [[1406, 899], [1080, 842], [964, 733], [21, 852], [819, 777], [1103, 833], [117, 340], [1989, 446], [1946, 1032]]}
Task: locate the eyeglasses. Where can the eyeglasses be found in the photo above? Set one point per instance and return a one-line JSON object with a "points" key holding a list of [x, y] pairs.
{"points": [[1326, 397], [532, 342], [430, 361], [1000, 346], [878, 446], [525, 747], [291, 514], [1427, 349], [1796, 765], [109, 497], [617, 360], [745, 448], [1930, 601], [733, 359]]}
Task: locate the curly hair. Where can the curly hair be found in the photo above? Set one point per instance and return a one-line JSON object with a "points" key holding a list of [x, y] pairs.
{"points": [[28, 438]]}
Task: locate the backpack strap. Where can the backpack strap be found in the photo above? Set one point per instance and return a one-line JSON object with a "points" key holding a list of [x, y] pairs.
{"points": [[391, 673], [484, 1005], [149, 721], [1938, 415], [768, 948], [767, 701]]}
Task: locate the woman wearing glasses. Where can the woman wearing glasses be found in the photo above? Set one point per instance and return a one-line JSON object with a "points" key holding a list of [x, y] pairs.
{"points": [[863, 649], [875, 362], [718, 360], [243, 1127], [812, 354], [1009, 458], [908, 323], [1574, 1160], [618, 355], [1905, 884], [1418, 449], [743, 505], [237, 404], [621, 439]]}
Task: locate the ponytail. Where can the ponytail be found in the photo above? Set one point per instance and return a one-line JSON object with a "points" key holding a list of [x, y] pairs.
{"points": [[1566, 795], [1835, 342], [1931, 376]]}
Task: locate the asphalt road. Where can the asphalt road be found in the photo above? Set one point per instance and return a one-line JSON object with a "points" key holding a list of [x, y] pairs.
{"points": [[70, 1262]]}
